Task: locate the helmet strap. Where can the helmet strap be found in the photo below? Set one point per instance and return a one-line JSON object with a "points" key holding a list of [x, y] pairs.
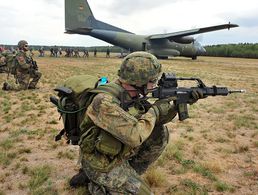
{"points": [[142, 89]]}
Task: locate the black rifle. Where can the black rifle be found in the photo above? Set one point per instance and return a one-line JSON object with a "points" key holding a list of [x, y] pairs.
{"points": [[34, 65], [168, 87]]}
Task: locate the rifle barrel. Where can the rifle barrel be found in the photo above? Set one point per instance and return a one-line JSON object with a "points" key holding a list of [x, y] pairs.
{"points": [[237, 91]]}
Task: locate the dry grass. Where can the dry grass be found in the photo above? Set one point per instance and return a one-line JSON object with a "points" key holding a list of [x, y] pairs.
{"points": [[214, 151]]}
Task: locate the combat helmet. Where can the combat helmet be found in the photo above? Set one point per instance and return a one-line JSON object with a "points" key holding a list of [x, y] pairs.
{"points": [[138, 68], [22, 43]]}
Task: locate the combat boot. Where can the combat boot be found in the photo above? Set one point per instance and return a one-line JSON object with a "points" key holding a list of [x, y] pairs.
{"points": [[6, 86], [79, 180], [33, 87]]}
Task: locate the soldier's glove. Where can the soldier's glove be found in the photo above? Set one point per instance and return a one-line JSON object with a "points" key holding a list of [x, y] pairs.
{"points": [[165, 110], [196, 94]]}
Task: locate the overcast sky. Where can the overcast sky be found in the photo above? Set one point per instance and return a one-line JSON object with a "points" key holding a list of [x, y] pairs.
{"points": [[41, 22]]}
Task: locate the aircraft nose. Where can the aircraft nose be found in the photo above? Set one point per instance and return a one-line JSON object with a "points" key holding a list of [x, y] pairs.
{"points": [[201, 50]]}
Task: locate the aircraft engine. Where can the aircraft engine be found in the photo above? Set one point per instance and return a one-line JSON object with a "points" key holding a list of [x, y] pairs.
{"points": [[183, 40]]}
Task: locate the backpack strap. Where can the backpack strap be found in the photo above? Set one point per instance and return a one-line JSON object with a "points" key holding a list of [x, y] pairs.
{"points": [[111, 88], [116, 91]]}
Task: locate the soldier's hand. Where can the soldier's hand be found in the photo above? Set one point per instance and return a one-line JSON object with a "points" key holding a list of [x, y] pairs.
{"points": [[165, 110], [196, 94]]}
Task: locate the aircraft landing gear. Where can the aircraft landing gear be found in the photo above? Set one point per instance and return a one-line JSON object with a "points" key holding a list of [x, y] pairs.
{"points": [[194, 57]]}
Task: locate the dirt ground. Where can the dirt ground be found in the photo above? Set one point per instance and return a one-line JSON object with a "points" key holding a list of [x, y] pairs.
{"points": [[215, 151]]}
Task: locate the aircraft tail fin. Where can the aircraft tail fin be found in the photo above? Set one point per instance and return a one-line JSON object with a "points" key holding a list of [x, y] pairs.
{"points": [[79, 17]]}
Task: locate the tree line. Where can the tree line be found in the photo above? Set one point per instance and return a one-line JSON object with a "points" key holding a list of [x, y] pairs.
{"points": [[241, 50]]}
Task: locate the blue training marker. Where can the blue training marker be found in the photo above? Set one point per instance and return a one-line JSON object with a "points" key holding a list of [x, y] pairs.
{"points": [[103, 81]]}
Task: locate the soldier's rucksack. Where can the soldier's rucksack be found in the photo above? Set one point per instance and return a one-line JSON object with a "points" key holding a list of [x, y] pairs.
{"points": [[74, 96]]}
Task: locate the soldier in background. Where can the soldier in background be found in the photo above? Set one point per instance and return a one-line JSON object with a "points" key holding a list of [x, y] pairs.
{"points": [[55, 50], [95, 52], [85, 53], [25, 69], [3, 62], [108, 53], [1, 49], [6, 61], [41, 52], [60, 51], [76, 53], [52, 53]]}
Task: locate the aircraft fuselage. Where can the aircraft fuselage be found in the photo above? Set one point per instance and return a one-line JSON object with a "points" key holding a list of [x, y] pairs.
{"points": [[133, 42]]}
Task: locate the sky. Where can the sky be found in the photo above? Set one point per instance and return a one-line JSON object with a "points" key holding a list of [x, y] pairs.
{"points": [[41, 22]]}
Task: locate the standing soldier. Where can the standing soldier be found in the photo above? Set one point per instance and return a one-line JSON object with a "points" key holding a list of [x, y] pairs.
{"points": [[85, 53], [95, 52], [108, 53], [60, 52], [76, 53], [25, 69]]}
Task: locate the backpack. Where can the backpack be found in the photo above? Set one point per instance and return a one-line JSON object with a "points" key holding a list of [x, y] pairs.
{"points": [[74, 97]]}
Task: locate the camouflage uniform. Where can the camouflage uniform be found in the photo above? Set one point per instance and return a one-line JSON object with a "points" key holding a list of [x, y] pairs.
{"points": [[3, 65], [118, 144], [6, 61], [25, 71]]}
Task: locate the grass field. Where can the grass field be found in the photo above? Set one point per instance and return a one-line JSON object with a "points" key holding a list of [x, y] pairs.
{"points": [[215, 151]]}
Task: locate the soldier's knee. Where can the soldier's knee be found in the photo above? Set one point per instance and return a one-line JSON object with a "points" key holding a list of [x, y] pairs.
{"points": [[160, 136]]}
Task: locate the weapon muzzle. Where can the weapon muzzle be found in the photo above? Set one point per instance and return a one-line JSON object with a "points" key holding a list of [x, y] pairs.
{"points": [[237, 91]]}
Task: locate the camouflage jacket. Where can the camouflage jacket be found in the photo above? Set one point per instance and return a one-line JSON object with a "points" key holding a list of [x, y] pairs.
{"points": [[5, 57], [2, 60], [132, 130], [23, 61]]}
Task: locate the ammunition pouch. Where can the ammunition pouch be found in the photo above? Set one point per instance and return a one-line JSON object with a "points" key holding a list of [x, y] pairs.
{"points": [[97, 151], [88, 139], [107, 144]]}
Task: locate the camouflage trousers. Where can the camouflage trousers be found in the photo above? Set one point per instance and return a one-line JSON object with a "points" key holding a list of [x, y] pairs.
{"points": [[150, 150], [125, 178], [35, 75], [24, 81]]}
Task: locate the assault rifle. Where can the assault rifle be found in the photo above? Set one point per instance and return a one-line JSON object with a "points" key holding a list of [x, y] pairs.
{"points": [[168, 87], [34, 65]]}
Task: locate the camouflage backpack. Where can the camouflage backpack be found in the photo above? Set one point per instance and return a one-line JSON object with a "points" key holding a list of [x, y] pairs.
{"points": [[74, 96]]}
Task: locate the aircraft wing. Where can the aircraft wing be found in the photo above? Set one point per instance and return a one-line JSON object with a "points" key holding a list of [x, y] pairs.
{"points": [[192, 32]]}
